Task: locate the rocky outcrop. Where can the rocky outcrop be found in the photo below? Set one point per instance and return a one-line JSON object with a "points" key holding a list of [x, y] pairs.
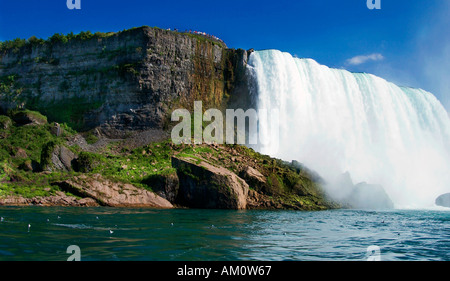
{"points": [[5, 122], [443, 200], [108, 193], [252, 176], [120, 82], [203, 185], [26, 117], [361, 195], [56, 157], [165, 185], [370, 196]]}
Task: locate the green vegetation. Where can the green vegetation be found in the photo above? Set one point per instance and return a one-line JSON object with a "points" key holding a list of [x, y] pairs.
{"points": [[22, 148], [69, 110], [25, 151], [18, 43], [6, 82], [9, 87], [91, 138]]}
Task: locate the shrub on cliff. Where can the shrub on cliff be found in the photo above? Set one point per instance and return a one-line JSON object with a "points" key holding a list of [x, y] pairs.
{"points": [[87, 162], [56, 38], [16, 44], [46, 154], [5, 122]]}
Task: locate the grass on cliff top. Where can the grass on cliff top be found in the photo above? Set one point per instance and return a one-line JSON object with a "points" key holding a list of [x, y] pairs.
{"points": [[17, 44]]}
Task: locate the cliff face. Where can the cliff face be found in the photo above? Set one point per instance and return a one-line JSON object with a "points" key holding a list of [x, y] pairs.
{"points": [[121, 82]]}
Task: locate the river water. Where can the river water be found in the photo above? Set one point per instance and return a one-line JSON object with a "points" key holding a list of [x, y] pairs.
{"points": [[117, 234]]}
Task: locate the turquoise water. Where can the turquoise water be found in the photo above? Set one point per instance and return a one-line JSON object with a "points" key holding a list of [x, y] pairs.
{"points": [[110, 234]]}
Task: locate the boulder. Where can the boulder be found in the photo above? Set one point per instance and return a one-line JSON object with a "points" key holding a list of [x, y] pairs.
{"points": [[56, 129], [5, 122], [28, 117], [108, 193], [359, 196], [203, 185], [253, 177], [443, 200], [56, 157], [370, 196], [256, 200], [29, 165], [165, 185]]}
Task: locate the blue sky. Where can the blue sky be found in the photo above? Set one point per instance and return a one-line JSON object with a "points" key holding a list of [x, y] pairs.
{"points": [[406, 42]]}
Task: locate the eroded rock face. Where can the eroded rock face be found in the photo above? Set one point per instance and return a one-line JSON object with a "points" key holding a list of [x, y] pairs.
{"points": [[109, 193], [203, 185], [124, 82]]}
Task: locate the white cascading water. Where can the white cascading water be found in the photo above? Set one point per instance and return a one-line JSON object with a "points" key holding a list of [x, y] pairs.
{"points": [[335, 121]]}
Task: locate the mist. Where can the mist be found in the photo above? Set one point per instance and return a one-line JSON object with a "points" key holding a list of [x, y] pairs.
{"points": [[335, 121]]}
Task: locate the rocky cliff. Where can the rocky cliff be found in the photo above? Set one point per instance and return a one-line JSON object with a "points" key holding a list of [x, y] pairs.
{"points": [[122, 87], [119, 82]]}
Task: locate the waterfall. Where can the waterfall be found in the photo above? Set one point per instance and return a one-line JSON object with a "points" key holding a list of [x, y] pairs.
{"points": [[335, 121]]}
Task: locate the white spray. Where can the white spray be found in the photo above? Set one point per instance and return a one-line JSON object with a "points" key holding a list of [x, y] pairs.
{"points": [[335, 121]]}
